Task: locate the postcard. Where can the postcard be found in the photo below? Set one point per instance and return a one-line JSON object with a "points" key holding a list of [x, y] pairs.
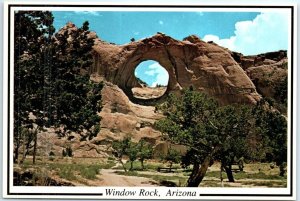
{"points": [[149, 101]]}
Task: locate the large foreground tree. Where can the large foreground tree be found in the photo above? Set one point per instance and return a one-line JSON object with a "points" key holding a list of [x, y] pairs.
{"points": [[211, 132], [51, 84]]}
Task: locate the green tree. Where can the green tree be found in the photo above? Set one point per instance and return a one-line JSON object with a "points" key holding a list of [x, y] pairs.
{"points": [[235, 124], [172, 156], [52, 85], [273, 126], [145, 151], [209, 132], [33, 29], [74, 100], [132, 153], [120, 149], [188, 122]]}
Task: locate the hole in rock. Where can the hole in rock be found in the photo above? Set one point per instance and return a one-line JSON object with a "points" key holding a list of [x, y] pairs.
{"points": [[153, 80]]}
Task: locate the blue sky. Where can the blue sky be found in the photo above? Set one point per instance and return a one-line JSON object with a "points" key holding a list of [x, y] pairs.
{"points": [[152, 73], [246, 32]]}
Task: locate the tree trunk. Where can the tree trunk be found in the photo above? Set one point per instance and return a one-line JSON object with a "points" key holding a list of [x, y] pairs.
{"points": [[34, 146], [26, 147], [229, 173], [142, 164], [221, 175], [120, 160], [281, 169], [25, 151], [196, 167], [16, 151], [16, 155], [198, 175], [131, 165], [170, 167]]}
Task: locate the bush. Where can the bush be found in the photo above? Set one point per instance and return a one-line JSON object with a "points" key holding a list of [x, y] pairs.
{"points": [[67, 152]]}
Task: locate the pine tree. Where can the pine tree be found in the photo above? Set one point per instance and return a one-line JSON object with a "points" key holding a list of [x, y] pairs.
{"points": [[52, 85], [32, 30]]}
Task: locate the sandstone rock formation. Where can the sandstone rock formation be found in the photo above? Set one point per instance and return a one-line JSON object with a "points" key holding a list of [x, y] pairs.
{"points": [[228, 76], [268, 72], [120, 118], [191, 62]]}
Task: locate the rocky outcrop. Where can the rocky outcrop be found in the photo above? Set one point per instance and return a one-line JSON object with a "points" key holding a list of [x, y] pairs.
{"points": [[49, 141], [191, 62], [267, 77], [228, 76], [269, 74], [269, 58], [119, 118]]}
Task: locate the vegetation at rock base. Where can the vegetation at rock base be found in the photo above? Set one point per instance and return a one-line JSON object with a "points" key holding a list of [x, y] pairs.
{"points": [[281, 91], [52, 85], [120, 150], [134, 151], [172, 156], [43, 173], [255, 175], [145, 151], [212, 132]]}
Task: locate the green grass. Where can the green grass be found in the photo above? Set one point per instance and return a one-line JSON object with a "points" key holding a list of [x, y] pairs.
{"points": [[179, 180], [65, 171], [215, 174], [260, 175], [244, 175], [82, 169], [137, 166], [70, 171], [147, 166], [265, 183]]}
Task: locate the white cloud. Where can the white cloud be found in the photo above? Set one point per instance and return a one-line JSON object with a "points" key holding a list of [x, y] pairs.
{"points": [[200, 13], [94, 13], [150, 72], [136, 33], [162, 76], [161, 22], [267, 32]]}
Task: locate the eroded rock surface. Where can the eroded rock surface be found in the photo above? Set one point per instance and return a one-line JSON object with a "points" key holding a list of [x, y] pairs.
{"points": [[228, 76], [191, 62]]}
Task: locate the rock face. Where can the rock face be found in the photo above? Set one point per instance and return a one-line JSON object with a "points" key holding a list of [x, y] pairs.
{"points": [[49, 141], [191, 62], [121, 117], [228, 76], [267, 77], [268, 72]]}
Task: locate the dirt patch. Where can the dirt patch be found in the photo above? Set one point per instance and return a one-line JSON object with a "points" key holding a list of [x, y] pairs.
{"points": [[108, 177]]}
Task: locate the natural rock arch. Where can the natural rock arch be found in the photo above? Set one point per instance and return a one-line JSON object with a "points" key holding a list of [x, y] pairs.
{"points": [[191, 62]]}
